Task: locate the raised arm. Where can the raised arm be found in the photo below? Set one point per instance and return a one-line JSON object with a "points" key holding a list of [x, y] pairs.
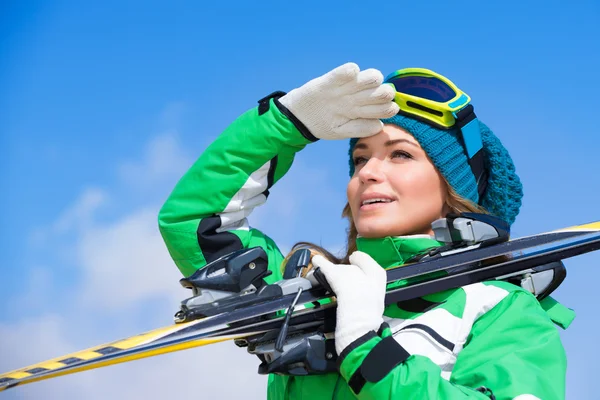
{"points": [[205, 215]]}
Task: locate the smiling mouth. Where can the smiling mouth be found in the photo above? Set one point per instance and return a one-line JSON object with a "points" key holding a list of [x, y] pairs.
{"points": [[373, 204]]}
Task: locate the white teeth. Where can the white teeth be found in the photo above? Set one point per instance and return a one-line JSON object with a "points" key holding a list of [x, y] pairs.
{"points": [[370, 201]]}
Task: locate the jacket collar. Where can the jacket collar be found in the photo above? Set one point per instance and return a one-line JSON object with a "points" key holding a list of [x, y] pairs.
{"points": [[392, 251]]}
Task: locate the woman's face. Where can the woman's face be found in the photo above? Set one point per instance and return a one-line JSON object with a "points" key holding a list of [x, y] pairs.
{"points": [[395, 189]]}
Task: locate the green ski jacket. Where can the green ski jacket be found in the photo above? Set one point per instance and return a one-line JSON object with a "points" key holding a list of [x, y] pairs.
{"points": [[482, 341]]}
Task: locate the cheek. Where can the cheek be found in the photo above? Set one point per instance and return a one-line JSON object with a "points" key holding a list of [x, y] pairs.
{"points": [[422, 184], [352, 191]]}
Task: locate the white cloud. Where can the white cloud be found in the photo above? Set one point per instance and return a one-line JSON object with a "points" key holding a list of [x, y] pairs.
{"points": [[40, 281], [172, 114], [77, 216], [127, 259], [81, 213], [39, 332], [164, 159]]}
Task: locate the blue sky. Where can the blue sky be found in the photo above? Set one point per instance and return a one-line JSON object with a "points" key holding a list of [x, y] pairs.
{"points": [[104, 106]]}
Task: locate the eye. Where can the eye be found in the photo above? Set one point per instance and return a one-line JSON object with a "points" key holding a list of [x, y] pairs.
{"points": [[359, 160], [401, 154]]}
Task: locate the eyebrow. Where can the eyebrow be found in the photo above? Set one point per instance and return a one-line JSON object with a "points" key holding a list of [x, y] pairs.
{"points": [[386, 144]]}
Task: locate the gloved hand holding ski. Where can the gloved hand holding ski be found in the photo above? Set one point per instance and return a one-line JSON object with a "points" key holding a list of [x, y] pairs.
{"points": [[344, 103], [360, 291]]}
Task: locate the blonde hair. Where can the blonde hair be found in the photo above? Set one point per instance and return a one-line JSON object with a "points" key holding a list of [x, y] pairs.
{"points": [[455, 203]]}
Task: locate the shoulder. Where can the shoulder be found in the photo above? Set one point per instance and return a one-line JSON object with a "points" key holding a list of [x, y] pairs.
{"points": [[488, 300], [474, 300], [480, 298]]}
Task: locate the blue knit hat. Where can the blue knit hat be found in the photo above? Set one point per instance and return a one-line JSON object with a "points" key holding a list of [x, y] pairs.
{"points": [[504, 191]]}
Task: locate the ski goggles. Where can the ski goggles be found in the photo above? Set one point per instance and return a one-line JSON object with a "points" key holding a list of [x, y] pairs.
{"points": [[432, 98]]}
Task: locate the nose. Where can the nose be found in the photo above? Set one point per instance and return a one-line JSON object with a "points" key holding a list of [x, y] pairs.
{"points": [[371, 171]]}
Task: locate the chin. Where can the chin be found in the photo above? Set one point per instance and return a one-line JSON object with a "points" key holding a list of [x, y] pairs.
{"points": [[378, 228], [375, 230]]}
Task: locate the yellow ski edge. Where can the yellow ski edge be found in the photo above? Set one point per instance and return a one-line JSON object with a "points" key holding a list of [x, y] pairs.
{"points": [[591, 227], [20, 379], [60, 365]]}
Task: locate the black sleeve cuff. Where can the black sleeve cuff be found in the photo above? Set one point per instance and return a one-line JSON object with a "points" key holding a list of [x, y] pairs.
{"points": [[380, 361], [361, 340], [263, 107], [384, 357]]}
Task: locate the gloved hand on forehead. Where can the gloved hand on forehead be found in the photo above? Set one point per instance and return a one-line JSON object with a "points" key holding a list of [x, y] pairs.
{"points": [[344, 103]]}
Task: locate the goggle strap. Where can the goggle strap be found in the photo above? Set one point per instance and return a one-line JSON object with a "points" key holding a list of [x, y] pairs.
{"points": [[477, 165], [471, 136], [467, 122]]}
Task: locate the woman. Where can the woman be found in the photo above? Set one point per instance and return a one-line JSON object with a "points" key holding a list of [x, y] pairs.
{"points": [[408, 168]]}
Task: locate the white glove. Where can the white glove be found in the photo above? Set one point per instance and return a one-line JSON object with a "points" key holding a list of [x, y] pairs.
{"points": [[360, 291], [345, 102]]}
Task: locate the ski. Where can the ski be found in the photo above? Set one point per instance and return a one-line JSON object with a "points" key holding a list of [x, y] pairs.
{"points": [[232, 302]]}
